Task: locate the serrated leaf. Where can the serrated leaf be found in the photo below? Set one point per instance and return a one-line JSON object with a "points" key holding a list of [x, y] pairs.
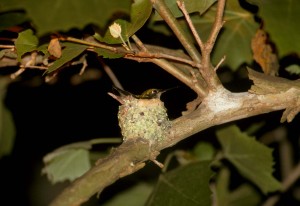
{"points": [[67, 165], [140, 12], [186, 185], [234, 41], [134, 196], [281, 22], [70, 51], [191, 6], [252, 159], [26, 42]]}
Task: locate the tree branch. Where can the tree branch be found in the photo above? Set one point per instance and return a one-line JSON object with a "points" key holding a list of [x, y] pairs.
{"points": [[168, 17], [218, 107], [189, 79], [207, 70]]}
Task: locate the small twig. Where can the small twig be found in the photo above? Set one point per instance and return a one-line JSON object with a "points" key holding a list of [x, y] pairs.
{"points": [[110, 74], [97, 45], [139, 43], [218, 24], [219, 64], [35, 67], [7, 46], [145, 53], [158, 163], [50, 78], [7, 39], [164, 56], [82, 61], [162, 9], [17, 73], [172, 69], [193, 82], [181, 6], [84, 66]]}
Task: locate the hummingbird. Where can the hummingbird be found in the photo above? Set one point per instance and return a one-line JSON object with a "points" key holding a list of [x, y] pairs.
{"points": [[148, 94], [142, 116]]}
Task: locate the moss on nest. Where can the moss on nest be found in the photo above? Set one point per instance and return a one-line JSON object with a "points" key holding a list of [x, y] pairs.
{"points": [[144, 118]]}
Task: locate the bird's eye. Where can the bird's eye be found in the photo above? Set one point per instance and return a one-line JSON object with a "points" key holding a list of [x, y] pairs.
{"points": [[154, 91]]}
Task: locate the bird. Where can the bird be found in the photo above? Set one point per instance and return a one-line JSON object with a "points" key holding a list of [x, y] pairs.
{"points": [[142, 116], [148, 94]]}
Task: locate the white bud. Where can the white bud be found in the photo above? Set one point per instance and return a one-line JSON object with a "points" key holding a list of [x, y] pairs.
{"points": [[115, 30]]}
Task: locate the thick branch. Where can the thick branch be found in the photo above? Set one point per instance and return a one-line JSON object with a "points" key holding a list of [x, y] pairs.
{"points": [[124, 160], [218, 107]]}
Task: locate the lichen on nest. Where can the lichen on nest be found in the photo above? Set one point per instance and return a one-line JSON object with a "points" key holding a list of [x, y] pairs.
{"points": [[143, 118]]}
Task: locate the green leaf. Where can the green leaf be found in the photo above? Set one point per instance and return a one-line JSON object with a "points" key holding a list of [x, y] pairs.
{"points": [[7, 127], [293, 69], [244, 195], [70, 51], [252, 159], [134, 196], [67, 165], [107, 54], [12, 19], [253, 128], [186, 185], [9, 5], [222, 187], [234, 41], [204, 151], [63, 15], [140, 12], [44, 49], [191, 6], [281, 22], [26, 42]]}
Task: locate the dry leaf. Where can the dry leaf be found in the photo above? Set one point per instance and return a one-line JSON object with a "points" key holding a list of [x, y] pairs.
{"points": [[263, 54], [54, 48]]}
